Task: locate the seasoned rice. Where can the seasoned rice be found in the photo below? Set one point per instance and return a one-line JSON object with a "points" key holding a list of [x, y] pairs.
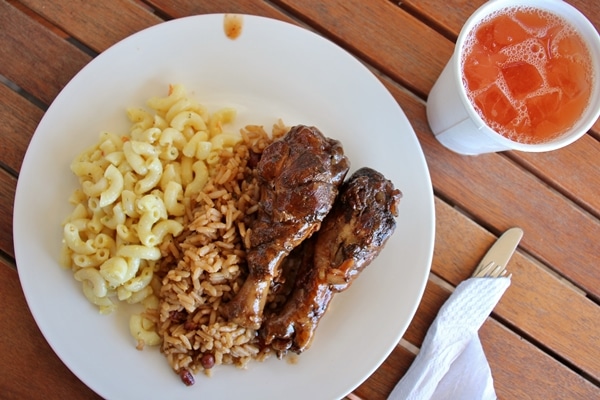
{"points": [[206, 265]]}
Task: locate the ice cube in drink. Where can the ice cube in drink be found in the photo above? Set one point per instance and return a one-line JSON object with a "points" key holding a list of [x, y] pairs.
{"points": [[521, 78]]}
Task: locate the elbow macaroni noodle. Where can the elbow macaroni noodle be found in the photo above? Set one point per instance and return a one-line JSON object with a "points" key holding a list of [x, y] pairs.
{"points": [[133, 193]]}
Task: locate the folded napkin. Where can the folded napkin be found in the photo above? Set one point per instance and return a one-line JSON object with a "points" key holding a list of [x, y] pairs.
{"points": [[451, 363]]}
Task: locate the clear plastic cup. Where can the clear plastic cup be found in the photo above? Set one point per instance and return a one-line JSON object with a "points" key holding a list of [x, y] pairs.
{"points": [[456, 123]]}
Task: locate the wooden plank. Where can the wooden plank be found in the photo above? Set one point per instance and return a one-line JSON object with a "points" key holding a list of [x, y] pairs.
{"points": [[184, 8], [8, 186], [447, 16], [521, 371], [579, 180], [382, 382], [389, 38], [23, 42], [86, 20], [38, 19], [548, 219], [452, 14], [30, 367], [20, 118]]}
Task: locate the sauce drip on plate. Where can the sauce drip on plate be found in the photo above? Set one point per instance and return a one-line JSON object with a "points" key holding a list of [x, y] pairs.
{"points": [[233, 24]]}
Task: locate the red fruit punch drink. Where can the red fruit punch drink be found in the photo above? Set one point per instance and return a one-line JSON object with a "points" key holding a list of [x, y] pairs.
{"points": [[528, 73], [524, 75]]}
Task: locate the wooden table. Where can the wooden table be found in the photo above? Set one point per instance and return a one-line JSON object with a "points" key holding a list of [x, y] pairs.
{"points": [[543, 338]]}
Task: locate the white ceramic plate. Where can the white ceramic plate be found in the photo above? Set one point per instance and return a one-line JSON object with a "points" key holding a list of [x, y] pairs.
{"points": [[272, 70]]}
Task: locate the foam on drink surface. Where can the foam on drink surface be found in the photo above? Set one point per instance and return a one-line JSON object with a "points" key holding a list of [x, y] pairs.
{"points": [[528, 73]]}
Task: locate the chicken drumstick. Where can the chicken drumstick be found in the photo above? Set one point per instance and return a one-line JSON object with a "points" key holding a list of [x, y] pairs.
{"points": [[352, 235], [299, 177]]}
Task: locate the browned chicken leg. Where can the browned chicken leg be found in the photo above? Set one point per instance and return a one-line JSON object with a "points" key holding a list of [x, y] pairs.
{"points": [[352, 235], [299, 177]]}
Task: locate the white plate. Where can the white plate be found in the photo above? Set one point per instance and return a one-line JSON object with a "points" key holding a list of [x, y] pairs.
{"points": [[272, 70]]}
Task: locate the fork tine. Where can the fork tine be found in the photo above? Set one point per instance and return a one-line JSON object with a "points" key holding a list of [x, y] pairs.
{"points": [[489, 270], [483, 270], [497, 271]]}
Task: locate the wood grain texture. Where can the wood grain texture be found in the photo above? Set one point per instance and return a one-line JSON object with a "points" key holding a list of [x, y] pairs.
{"points": [[184, 8], [579, 181], [452, 14], [522, 371], [19, 119], [26, 356], [520, 199], [385, 37], [382, 382], [38, 19], [35, 58], [8, 186], [86, 20]]}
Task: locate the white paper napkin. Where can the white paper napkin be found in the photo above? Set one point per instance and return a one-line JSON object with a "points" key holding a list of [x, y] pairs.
{"points": [[451, 363]]}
